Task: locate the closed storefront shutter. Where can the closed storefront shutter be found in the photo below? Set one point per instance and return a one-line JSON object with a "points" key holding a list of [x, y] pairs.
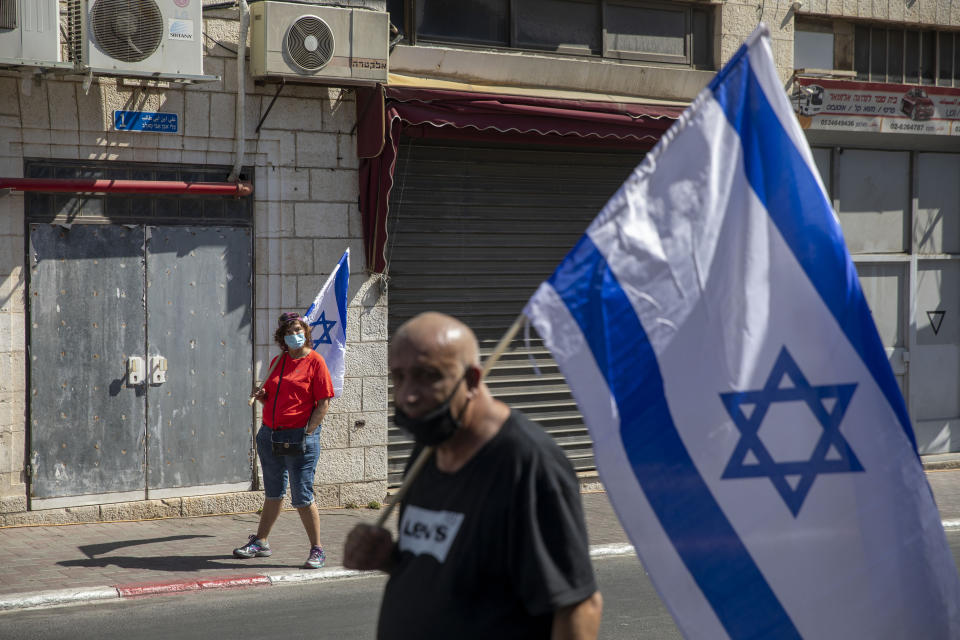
{"points": [[472, 232]]}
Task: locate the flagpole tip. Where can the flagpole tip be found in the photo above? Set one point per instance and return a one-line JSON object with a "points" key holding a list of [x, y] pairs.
{"points": [[761, 31]]}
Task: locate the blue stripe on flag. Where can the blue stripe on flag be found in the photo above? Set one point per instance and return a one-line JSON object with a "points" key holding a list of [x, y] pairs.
{"points": [[340, 285], [705, 540], [785, 184]]}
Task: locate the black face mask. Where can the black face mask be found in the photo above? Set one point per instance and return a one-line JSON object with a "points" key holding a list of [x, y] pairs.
{"points": [[434, 427]]}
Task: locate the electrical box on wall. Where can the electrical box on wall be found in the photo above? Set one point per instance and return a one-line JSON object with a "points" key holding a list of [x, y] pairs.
{"points": [[138, 38], [30, 33], [330, 45]]}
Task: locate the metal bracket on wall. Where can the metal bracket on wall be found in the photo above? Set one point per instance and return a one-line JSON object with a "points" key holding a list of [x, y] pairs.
{"points": [[135, 371], [87, 81], [158, 369], [270, 106]]}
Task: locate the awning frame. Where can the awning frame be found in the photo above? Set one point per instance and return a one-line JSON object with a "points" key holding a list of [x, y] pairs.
{"points": [[384, 114]]}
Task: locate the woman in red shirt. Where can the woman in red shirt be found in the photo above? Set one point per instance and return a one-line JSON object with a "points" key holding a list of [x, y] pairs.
{"points": [[295, 399]]}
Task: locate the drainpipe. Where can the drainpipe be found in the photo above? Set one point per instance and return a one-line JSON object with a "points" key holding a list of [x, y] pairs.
{"points": [[241, 134], [156, 187]]}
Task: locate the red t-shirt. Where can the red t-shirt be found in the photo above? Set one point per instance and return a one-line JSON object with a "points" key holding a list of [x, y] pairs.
{"points": [[303, 383]]}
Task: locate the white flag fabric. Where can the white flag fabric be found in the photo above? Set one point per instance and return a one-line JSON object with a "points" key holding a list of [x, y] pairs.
{"points": [[327, 317], [746, 422]]}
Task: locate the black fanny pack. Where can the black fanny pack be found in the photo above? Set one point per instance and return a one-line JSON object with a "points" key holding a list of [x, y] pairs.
{"points": [[287, 442]]}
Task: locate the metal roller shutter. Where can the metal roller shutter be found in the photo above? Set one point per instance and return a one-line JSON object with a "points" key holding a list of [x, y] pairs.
{"points": [[472, 232]]}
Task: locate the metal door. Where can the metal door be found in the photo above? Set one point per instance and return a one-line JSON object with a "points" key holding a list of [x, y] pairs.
{"points": [[935, 353], [473, 231], [900, 212], [86, 321], [885, 288], [872, 197], [873, 191], [199, 358]]}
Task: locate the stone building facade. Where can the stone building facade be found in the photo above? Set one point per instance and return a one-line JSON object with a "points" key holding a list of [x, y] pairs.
{"points": [[301, 155]]}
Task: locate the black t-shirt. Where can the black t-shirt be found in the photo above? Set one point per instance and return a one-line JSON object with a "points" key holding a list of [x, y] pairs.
{"points": [[492, 550]]}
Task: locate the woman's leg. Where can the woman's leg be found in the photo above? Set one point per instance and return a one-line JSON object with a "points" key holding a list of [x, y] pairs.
{"points": [[301, 470], [310, 518], [274, 470], [268, 516]]}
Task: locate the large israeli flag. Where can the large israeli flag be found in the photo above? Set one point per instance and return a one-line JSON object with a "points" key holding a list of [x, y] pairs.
{"points": [[746, 422], [327, 317]]}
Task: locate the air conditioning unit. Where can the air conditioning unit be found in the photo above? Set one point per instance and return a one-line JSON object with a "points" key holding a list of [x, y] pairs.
{"points": [[138, 38], [332, 45], [30, 33]]}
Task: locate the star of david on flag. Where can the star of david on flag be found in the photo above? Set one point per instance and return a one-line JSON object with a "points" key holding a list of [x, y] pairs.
{"points": [[327, 317], [831, 453], [325, 327], [745, 419]]}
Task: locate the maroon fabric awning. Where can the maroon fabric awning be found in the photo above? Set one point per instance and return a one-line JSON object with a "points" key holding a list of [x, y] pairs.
{"points": [[386, 113]]}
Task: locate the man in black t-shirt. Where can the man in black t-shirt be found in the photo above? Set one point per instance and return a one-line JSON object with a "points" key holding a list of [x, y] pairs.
{"points": [[491, 540]]}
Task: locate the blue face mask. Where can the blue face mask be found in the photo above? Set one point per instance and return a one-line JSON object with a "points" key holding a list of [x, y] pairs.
{"points": [[294, 340]]}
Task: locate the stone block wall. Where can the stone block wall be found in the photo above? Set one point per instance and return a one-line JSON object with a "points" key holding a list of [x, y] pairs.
{"points": [[12, 310], [305, 215], [737, 19]]}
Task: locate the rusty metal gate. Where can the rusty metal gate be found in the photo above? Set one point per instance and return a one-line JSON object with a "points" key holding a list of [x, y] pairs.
{"points": [[140, 359]]}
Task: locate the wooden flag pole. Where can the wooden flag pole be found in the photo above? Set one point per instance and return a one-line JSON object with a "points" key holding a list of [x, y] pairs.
{"points": [[426, 452]]}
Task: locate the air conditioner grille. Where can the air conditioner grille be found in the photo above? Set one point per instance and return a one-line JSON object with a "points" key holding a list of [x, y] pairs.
{"points": [[75, 30], [128, 30], [8, 14], [310, 43]]}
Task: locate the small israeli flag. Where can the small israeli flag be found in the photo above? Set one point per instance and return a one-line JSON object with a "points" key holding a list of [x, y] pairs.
{"points": [[746, 422], [327, 317]]}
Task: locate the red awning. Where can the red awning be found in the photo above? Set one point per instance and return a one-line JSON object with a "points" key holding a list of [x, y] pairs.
{"points": [[386, 113]]}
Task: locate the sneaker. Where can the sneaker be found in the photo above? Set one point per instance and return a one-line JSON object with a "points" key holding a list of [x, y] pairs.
{"points": [[255, 547], [316, 559]]}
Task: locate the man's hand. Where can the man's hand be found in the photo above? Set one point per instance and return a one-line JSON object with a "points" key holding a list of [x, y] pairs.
{"points": [[368, 547], [258, 394]]}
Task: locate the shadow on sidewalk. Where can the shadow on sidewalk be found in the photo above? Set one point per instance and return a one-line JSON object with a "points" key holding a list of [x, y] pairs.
{"points": [[183, 563], [172, 563], [94, 550]]}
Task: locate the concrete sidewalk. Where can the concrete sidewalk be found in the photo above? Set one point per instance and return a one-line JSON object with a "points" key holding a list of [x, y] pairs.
{"points": [[46, 565], [43, 565]]}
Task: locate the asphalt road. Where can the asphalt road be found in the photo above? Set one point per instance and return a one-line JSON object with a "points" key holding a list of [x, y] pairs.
{"points": [[338, 610]]}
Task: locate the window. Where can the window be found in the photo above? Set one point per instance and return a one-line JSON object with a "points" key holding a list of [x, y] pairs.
{"points": [[813, 47], [907, 56], [657, 33], [567, 26], [471, 21], [670, 32]]}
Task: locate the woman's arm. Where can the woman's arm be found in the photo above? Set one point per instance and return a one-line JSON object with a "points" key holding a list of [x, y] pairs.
{"points": [[317, 416]]}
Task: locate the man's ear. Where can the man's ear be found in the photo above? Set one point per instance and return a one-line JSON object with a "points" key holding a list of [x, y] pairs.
{"points": [[472, 377]]}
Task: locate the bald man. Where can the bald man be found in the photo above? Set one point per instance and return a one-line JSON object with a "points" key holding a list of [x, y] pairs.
{"points": [[491, 540]]}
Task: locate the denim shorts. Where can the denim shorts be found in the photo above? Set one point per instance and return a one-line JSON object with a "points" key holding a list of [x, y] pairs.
{"points": [[299, 469]]}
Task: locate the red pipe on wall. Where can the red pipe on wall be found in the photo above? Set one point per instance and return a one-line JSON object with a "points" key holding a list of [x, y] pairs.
{"points": [[90, 185]]}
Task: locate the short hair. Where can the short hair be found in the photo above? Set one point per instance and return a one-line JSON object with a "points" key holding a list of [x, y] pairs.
{"points": [[282, 331]]}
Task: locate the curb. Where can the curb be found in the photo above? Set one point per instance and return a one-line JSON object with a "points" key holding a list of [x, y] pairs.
{"points": [[159, 588], [144, 589], [941, 462], [63, 596], [321, 575]]}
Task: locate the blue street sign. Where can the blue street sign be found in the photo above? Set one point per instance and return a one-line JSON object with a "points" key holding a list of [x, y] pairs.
{"points": [[145, 121]]}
